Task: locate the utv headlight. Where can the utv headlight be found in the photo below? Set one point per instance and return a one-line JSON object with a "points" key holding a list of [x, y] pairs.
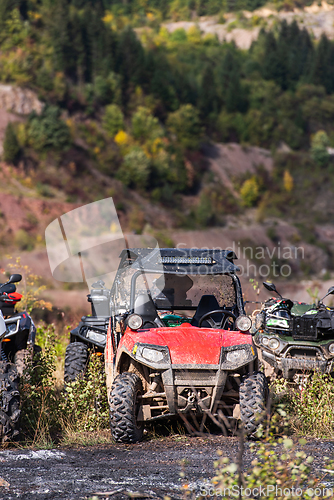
{"points": [[331, 348], [235, 356], [243, 323], [265, 341], [96, 337], [135, 322], [152, 355]]}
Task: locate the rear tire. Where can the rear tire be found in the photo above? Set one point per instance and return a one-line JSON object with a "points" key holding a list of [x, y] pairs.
{"points": [[123, 408], [253, 398], [9, 402], [76, 358]]}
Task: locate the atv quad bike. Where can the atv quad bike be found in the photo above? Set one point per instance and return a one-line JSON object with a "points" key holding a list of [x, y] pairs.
{"points": [[178, 342], [90, 335], [17, 346], [294, 339]]}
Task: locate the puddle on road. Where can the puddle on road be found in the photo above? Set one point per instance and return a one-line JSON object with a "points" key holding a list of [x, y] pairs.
{"points": [[31, 455]]}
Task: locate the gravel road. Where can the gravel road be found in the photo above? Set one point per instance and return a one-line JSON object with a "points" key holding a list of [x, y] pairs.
{"points": [[146, 470]]}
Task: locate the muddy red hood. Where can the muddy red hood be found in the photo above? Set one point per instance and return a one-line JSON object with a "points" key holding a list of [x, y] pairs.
{"points": [[187, 344]]}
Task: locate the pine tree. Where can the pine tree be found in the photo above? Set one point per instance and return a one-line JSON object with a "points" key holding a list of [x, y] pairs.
{"points": [[130, 61], [11, 147]]}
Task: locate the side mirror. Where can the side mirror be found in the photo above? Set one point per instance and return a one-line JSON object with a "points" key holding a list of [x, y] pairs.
{"points": [[14, 278], [330, 292], [271, 287]]}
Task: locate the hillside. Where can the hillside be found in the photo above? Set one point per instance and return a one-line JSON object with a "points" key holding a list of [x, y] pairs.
{"points": [[198, 141]]}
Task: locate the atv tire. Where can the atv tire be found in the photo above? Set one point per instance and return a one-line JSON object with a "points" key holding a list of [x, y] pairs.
{"points": [[9, 402], [76, 358], [123, 408], [253, 394], [21, 359]]}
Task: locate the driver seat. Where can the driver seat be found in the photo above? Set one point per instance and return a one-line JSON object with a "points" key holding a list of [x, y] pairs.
{"points": [[206, 304]]}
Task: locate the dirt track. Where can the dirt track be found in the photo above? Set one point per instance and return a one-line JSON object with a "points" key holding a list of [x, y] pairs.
{"points": [[147, 470]]}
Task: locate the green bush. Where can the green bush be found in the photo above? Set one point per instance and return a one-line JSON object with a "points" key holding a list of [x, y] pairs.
{"points": [[50, 413], [278, 467], [113, 120], [48, 130], [144, 125], [135, 169], [11, 147], [312, 409], [186, 126], [319, 145]]}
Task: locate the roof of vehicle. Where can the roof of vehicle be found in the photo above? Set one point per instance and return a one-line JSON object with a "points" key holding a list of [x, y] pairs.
{"points": [[179, 260]]}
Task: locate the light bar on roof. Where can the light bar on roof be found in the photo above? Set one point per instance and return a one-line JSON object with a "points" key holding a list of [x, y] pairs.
{"points": [[185, 260]]}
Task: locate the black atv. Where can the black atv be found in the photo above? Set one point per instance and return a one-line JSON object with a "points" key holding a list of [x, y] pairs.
{"points": [[90, 335], [17, 346]]}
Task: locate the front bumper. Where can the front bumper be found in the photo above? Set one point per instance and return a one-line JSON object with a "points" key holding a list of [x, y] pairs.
{"points": [[289, 366], [189, 387]]}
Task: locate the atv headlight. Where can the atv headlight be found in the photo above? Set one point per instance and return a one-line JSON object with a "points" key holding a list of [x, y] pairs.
{"points": [[273, 344], [135, 321], [12, 328], [265, 341], [243, 323], [331, 348], [96, 337]]}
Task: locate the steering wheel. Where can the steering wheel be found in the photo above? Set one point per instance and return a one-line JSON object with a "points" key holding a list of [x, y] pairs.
{"points": [[226, 315]]}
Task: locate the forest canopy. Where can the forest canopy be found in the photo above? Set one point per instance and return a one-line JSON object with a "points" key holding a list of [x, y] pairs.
{"points": [[142, 100]]}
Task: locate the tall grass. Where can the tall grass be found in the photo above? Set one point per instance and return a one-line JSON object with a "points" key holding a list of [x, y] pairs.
{"points": [[54, 414]]}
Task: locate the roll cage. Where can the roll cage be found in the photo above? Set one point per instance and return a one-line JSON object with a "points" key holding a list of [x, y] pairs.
{"points": [[169, 263]]}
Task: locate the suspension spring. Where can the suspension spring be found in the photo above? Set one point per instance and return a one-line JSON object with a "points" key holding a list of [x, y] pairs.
{"points": [[3, 355]]}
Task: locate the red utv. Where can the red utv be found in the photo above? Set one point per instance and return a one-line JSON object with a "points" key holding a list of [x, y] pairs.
{"points": [[178, 342]]}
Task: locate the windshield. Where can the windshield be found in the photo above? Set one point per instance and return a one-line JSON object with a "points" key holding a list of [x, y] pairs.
{"points": [[171, 291]]}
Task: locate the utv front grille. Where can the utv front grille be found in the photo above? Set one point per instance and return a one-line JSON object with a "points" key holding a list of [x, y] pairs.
{"points": [[303, 328], [193, 377]]}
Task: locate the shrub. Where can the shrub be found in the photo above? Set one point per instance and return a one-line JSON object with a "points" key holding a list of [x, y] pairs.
{"points": [[279, 467], [319, 145], [11, 146], [84, 404], [313, 408], [113, 120], [50, 413], [135, 169], [249, 192], [40, 395], [288, 181], [48, 130], [185, 124], [144, 125], [23, 240]]}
